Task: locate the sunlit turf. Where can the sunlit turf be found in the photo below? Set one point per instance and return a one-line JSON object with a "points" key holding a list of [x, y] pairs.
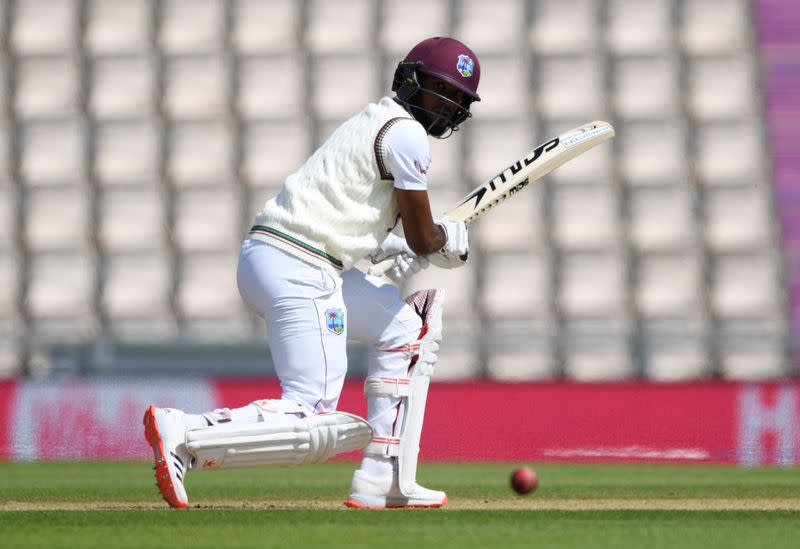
{"points": [[71, 505]]}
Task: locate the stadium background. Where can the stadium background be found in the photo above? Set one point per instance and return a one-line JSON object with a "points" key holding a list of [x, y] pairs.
{"points": [[637, 304]]}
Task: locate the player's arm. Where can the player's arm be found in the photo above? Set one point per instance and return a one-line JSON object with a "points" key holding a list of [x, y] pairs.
{"points": [[408, 156], [444, 243], [424, 237]]}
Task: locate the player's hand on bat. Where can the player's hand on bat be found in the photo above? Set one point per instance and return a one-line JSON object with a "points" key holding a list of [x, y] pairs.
{"points": [[406, 262], [391, 246], [405, 266], [455, 251]]}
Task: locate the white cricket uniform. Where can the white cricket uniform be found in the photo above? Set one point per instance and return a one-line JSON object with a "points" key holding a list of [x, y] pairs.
{"points": [[295, 269]]}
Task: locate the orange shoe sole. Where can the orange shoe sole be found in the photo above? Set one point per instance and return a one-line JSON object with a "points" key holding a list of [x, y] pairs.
{"points": [[163, 479], [358, 505], [355, 504]]}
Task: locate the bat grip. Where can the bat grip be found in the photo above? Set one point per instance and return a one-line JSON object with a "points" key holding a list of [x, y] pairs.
{"points": [[380, 268]]}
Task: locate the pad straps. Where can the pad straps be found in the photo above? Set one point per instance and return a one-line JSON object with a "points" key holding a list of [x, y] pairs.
{"points": [[383, 447], [386, 386], [397, 387]]}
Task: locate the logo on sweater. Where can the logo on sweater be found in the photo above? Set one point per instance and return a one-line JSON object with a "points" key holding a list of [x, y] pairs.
{"points": [[465, 65], [334, 319]]}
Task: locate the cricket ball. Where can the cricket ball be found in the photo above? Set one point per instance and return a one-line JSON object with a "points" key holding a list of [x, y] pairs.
{"points": [[524, 480]]}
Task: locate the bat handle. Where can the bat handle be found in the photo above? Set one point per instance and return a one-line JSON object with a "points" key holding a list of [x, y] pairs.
{"points": [[380, 268]]}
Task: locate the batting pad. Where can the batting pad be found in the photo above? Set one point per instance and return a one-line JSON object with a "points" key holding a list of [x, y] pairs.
{"points": [[413, 394], [283, 440]]}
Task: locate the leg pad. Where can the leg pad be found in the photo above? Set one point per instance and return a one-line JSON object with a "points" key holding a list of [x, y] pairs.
{"points": [[412, 392], [282, 440]]}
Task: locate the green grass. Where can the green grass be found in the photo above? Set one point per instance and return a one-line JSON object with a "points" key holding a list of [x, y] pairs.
{"points": [[75, 505]]}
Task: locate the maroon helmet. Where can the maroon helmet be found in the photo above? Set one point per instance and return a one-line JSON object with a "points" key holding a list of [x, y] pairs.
{"points": [[440, 107]]}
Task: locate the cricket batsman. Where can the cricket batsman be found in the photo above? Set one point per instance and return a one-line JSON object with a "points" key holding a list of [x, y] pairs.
{"points": [[296, 271]]}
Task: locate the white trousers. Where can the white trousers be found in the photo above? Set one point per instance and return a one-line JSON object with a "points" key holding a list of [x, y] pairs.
{"points": [[310, 314]]}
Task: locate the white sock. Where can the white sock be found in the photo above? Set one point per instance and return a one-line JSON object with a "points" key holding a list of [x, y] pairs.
{"points": [[376, 466]]}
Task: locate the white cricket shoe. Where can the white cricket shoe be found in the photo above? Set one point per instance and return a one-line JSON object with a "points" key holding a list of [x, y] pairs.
{"points": [[368, 492], [166, 434]]}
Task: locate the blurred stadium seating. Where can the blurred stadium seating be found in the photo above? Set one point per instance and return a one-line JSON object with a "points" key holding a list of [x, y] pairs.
{"points": [[139, 137]]}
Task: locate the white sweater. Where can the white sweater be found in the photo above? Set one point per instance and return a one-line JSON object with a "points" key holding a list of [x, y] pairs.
{"points": [[340, 205]]}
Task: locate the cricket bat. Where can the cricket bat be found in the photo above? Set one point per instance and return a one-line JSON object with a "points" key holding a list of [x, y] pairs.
{"points": [[536, 164]]}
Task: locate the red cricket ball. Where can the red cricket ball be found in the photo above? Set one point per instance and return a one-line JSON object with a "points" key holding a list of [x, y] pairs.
{"points": [[524, 480]]}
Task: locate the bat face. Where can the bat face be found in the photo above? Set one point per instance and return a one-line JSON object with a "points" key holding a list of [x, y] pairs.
{"points": [[534, 165], [501, 179]]}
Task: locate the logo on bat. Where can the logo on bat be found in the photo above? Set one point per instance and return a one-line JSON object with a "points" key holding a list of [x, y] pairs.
{"points": [[519, 186], [477, 195], [515, 168]]}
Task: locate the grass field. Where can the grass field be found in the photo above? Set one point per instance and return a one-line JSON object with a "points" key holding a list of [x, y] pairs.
{"points": [[116, 505]]}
